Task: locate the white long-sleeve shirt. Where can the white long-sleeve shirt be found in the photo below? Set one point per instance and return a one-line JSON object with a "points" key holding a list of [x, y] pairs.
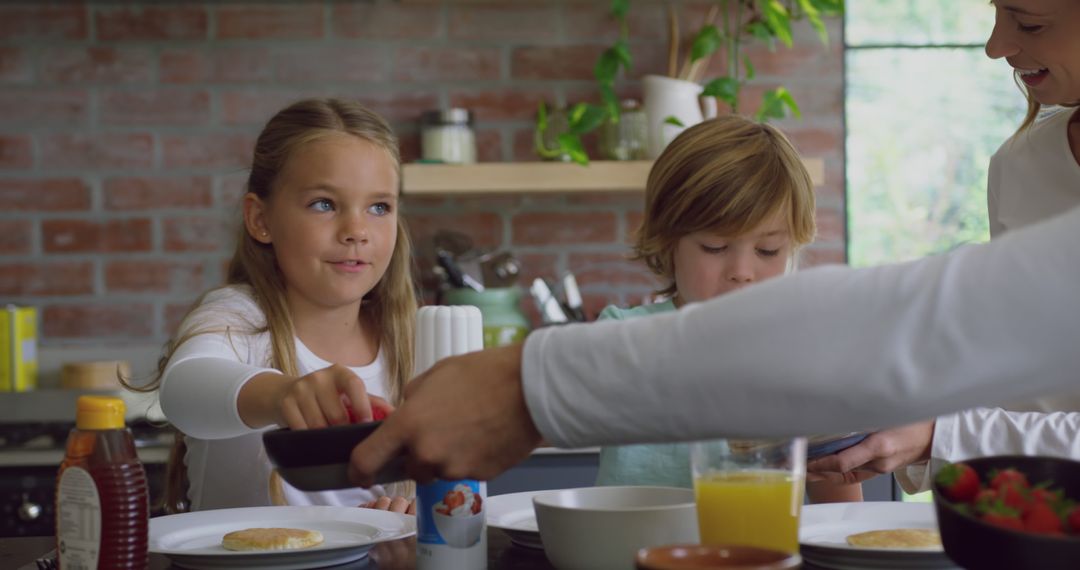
{"points": [[1032, 177], [226, 463], [824, 350]]}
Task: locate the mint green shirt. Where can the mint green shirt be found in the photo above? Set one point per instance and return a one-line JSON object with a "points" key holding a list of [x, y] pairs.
{"points": [[664, 464]]}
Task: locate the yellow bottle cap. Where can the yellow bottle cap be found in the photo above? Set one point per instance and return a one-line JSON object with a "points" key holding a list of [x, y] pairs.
{"points": [[99, 412]]}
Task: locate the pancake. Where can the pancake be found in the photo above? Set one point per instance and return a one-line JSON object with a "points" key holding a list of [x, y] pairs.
{"points": [[271, 539], [900, 538]]}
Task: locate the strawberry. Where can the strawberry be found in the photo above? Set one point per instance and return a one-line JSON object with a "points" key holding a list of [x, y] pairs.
{"points": [[1073, 519], [378, 413], [351, 414], [1004, 518], [1041, 494], [1014, 496], [1008, 476], [985, 500], [959, 482], [476, 506], [1042, 519]]}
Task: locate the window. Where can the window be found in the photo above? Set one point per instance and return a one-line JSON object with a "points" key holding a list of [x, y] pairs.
{"points": [[924, 109]]}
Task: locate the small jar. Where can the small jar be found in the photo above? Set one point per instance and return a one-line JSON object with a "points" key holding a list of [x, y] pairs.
{"points": [[627, 139], [447, 136]]}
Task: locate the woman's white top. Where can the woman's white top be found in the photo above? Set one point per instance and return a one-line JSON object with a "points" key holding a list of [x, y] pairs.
{"points": [[1033, 176], [226, 463], [825, 350]]}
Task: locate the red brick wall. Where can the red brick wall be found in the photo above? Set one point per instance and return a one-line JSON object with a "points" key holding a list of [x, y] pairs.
{"points": [[125, 129]]}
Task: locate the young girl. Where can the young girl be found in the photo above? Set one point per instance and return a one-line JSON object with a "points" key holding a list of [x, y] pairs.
{"points": [[317, 313], [728, 204]]}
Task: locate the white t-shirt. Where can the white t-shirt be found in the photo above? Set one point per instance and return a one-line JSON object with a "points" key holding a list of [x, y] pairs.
{"points": [[226, 463], [825, 350], [1033, 176]]}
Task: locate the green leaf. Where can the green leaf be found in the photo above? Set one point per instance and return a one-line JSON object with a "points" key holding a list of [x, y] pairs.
{"points": [[619, 8], [749, 67], [705, 43], [760, 31], [814, 17], [606, 67], [777, 19], [673, 120], [571, 144], [588, 118], [724, 88], [789, 101], [622, 53], [776, 103]]}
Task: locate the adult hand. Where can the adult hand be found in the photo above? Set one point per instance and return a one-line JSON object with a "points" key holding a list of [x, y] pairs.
{"points": [[881, 452], [392, 504], [315, 400], [464, 418]]}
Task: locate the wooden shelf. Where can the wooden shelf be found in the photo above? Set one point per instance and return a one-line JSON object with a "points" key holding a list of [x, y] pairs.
{"points": [[541, 177]]}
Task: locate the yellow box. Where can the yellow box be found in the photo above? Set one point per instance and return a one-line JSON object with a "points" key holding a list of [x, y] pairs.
{"points": [[18, 348]]}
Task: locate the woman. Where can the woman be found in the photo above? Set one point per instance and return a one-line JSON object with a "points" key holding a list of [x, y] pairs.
{"points": [[1033, 176]]}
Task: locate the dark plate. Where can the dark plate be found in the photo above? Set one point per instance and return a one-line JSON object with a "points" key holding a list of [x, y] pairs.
{"points": [[827, 445], [972, 543], [318, 459]]}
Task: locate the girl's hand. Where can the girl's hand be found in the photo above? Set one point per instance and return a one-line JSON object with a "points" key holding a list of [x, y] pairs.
{"points": [[881, 452], [392, 504], [323, 397]]}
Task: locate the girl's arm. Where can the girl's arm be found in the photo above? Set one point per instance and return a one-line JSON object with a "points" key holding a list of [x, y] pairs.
{"points": [[828, 492]]}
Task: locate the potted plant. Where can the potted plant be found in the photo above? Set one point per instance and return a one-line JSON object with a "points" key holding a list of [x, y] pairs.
{"points": [[671, 101]]}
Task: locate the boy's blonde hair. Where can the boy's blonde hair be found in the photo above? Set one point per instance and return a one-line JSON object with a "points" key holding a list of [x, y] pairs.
{"points": [[725, 175], [391, 305]]}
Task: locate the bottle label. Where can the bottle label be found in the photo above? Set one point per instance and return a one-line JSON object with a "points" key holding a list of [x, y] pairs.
{"points": [[78, 520], [450, 525]]}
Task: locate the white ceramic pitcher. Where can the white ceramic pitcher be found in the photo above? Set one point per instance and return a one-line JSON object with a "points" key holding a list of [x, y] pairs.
{"points": [[667, 97]]}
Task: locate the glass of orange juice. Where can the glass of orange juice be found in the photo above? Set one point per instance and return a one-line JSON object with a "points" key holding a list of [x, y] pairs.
{"points": [[749, 492]]}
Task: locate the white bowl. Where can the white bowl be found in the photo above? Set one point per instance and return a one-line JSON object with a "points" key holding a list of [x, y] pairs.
{"points": [[604, 527], [459, 532]]}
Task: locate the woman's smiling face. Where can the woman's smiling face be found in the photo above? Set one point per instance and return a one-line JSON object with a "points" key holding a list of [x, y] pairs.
{"points": [[1041, 40]]}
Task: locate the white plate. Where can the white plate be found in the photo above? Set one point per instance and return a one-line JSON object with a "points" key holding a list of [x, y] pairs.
{"points": [[193, 540], [824, 529], [513, 514]]}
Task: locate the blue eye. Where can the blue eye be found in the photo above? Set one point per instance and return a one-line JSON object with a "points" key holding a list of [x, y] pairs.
{"points": [[717, 249], [380, 209], [322, 205]]}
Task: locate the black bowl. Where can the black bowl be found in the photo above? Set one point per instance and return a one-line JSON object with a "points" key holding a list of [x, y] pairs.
{"points": [[972, 543], [318, 459]]}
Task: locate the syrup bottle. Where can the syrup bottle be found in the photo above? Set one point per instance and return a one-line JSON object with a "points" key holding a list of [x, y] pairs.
{"points": [[102, 499]]}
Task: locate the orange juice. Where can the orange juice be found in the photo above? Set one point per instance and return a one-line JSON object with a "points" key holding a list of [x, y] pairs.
{"points": [[753, 508]]}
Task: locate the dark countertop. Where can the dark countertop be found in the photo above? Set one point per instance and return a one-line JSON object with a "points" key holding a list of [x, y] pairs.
{"points": [[20, 553]]}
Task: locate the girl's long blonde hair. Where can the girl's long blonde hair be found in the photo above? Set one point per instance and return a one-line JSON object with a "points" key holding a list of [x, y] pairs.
{"points": [[390, 305], [726, 175]]}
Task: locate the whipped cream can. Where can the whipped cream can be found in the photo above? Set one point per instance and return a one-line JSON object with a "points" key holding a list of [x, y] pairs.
{"points": [[450, 530]]}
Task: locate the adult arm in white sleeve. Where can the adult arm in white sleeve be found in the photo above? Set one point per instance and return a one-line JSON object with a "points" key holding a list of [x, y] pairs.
{"points": [[824, 350], [981, 432]]}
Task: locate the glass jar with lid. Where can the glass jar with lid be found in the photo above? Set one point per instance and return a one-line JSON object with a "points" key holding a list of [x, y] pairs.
{"points": [[447, 136]]}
